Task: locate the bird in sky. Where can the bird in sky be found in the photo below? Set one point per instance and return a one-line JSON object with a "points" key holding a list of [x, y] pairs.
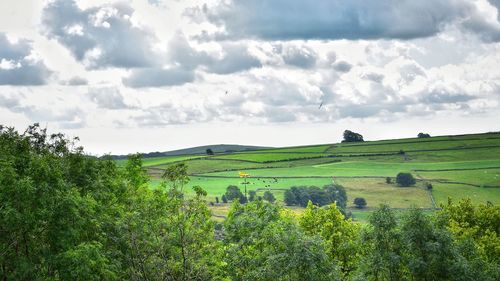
{"points": [[226, 92]]}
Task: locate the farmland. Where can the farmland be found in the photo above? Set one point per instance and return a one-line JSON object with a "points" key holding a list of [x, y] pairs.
{"points": [[466, 166]]}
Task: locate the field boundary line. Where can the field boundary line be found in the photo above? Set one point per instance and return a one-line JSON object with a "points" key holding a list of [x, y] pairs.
{"points": [[405, 142], [459, 169]]}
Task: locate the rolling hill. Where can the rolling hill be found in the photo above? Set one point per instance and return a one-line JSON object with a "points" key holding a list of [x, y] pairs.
{"points": [[456, 167]]}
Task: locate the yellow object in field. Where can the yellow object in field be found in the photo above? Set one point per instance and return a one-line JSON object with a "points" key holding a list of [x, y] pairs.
{"points": [[244, 175]]}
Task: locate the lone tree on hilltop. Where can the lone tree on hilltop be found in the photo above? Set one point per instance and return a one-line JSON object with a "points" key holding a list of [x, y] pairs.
{"points": [[405, 179], [360, 202], [210, 151], [350, 136], [423, 135]]}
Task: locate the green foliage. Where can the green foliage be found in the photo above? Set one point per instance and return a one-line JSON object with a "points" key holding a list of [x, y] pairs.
{"points": [[252, 195], [176, 176], [350, 136], [405, 179], [269, 196], [301, 195], [233, 192], [340, 235], [479, 224], [423, 135], [68, 216], [360, 202], [383, 247], [266, 244]]}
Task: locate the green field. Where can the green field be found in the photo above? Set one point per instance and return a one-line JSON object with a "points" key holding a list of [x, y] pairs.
{"points": [[457, 166]]}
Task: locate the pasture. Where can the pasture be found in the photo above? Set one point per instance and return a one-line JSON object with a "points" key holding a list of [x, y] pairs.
{"points": [[458, 167]]}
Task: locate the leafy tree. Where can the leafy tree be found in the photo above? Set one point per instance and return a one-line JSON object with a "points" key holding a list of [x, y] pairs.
{"points": [[265, 243], [340, 235], [383, 259], [388, 180], [478, 224], [290, 198], [243, 199], [269, 196], [360, 202], [216, 200], [405, 179], [350, 136], [176, 176], [233, 192], [210, 151], [252, 195], [428, 248], [423, 135], [224, 198]]}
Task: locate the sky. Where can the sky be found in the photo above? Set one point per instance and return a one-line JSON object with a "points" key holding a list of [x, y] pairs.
{"points": [[158, 75]]}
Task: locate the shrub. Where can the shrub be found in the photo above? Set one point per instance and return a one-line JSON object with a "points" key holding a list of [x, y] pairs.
{"points": [[388, 180], [405, 179]]}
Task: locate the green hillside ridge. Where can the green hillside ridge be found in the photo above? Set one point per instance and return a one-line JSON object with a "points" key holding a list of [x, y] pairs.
{"points": [[459, 167]]}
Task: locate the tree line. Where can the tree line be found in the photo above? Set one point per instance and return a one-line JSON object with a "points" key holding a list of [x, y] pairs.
{"points": [[65, 215]]}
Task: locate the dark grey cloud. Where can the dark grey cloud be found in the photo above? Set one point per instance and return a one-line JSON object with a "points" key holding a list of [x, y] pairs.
{"points": [[338, 19], [16, 65], [342, 66], [107, 98], [303, 57], [101, 36], [496, 3], [158, 77], [335, 19]]}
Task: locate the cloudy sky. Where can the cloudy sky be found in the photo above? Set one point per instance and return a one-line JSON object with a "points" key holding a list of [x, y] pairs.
{"points": [[156, 75]]}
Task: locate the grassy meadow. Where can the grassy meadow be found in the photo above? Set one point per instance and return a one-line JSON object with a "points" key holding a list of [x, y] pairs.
{"points": [[456, 166]]}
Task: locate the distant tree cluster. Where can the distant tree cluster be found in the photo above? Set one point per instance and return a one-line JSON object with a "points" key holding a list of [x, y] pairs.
{"points": [[423, 135], [350, 136], [210, 151], [301, 195]]}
